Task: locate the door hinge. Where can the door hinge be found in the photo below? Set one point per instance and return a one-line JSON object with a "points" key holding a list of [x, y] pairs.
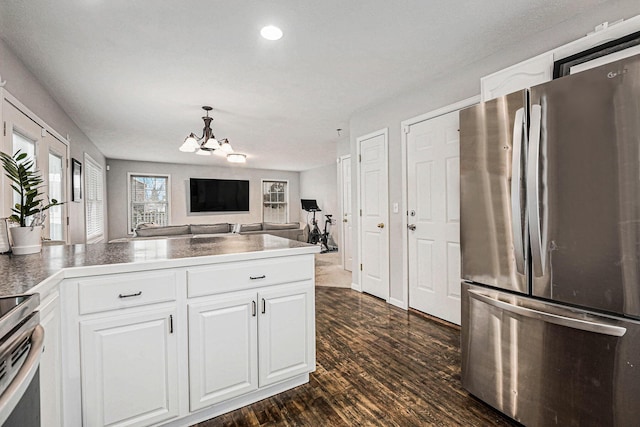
{"points": [[4, 131], [360, 267], [360, 212], [67, 220], [407, 129], [359, 158]]}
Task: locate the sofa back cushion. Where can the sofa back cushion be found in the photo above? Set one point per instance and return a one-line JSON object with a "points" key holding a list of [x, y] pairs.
{"points": [[168, 230], [251, 227], [223, 227], [276, 226]]}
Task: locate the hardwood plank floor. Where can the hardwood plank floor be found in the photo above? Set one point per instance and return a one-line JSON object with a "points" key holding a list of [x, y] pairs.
{"points": [[377, 365]]}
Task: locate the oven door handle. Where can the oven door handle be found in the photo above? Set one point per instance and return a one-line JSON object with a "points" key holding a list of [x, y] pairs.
{"points": [[21, 381]]}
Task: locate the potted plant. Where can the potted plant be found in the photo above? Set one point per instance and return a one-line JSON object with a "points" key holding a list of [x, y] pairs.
{"points": [[28, 213]]}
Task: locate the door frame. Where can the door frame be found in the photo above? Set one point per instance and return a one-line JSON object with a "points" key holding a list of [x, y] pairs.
{"points": [[404, 130], [341, 160], [385, 133]]}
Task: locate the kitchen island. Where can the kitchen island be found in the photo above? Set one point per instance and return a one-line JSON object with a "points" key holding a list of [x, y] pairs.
{"points": [[171, 331]]}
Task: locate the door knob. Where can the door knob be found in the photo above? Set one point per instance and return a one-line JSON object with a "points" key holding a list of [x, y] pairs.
{"points": [[381, 225], [411, 227]]}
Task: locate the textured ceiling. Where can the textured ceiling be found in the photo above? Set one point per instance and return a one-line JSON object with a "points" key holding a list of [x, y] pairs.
{"points": [[133, 74]]}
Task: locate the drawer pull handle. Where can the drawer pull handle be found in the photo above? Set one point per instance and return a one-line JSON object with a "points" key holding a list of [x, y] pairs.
{"points": [[137, 294], [264, 306], [257, 277], [253, 308]]}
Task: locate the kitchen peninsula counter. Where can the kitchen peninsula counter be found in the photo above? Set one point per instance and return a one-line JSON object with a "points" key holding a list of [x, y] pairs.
{"points": [[139, 332], [21, 273]]}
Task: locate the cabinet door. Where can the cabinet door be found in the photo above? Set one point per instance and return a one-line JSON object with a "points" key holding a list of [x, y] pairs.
{"points": [[286, 330], [223, 338], [129, 369], [50, 364], [517, 77]]}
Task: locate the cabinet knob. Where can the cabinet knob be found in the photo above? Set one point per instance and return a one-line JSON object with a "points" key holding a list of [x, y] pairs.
{"points": [[381, 225]]}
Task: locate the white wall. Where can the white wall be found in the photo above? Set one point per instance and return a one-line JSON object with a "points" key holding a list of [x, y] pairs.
{"points": [[448, 89], [321, 184], [35, 96], [180, 174]]}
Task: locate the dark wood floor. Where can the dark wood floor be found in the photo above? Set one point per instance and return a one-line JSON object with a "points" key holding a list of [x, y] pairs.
{"points": [[376, 365]]}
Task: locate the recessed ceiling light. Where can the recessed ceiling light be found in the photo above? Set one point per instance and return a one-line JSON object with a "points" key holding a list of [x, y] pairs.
{"points": [[271, 32]]}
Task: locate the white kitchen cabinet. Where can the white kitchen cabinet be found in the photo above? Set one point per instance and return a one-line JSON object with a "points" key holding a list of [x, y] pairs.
{"points": [[50, 363], [223, 356], [129, 368], [241, 341], [123, 366], [525, 74], [286, 331]]}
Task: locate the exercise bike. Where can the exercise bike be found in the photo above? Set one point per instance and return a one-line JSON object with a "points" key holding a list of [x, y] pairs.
{"points": [[310, 205], [324, 238], [315, 236]]}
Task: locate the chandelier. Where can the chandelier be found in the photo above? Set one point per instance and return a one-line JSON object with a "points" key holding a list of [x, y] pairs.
{"points": [[207, 144]]}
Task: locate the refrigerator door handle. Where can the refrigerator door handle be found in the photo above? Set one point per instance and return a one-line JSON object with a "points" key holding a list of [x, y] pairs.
{"points": [[538, 252], [584, 325], [516, 174]]}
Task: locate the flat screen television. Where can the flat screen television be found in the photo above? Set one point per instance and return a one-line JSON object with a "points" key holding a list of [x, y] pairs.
{"points": [[218, 195]]}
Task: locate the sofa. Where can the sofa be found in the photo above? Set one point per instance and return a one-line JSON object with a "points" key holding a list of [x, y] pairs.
{"points": [[290, 230]]}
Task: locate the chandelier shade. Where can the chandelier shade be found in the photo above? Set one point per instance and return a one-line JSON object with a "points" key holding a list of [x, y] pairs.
{"points": [[236, 158]]}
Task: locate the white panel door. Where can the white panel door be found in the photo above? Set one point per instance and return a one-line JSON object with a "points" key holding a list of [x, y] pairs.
{"points": [[374, 236], [223, 353], [286, 331], [129, 369], [347, 216], [433, 170]]}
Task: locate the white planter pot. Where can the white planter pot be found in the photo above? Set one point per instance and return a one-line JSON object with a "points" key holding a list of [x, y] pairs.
{"points": [[26, 240]]}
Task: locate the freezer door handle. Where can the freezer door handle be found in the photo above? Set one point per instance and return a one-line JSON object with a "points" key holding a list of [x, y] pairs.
{"points": [[516, 174], [584, 325], [538, 252]]}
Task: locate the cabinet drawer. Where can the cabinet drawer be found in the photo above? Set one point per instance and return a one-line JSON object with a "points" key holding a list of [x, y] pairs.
{"points": [[240, 275], [126, 290]]}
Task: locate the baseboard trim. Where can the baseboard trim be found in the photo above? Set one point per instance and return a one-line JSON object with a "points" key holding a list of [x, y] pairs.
{"points": [[236, 403], [356, 287]]}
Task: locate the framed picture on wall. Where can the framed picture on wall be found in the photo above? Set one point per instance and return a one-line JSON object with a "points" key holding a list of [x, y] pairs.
{"points": [[76, 180]]}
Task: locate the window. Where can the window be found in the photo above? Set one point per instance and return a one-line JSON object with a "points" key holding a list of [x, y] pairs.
{"points": [[275, 201], [24, 145], [148, 200], [94, 203]]}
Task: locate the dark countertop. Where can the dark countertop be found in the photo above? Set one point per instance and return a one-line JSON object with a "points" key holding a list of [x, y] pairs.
{"points": [[20, 273]]}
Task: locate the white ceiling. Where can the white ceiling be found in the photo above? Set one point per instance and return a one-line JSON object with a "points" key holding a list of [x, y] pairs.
{"points": [[133, 74]]}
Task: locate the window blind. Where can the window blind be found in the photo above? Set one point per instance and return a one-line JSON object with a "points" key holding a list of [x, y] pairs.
{"points": [[94, 200]]}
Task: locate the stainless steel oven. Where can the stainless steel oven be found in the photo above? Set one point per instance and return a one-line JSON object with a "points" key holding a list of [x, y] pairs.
{"points": [[21, 345]]}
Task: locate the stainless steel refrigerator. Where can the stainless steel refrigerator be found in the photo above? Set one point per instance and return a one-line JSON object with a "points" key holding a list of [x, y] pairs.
{"points": [[550, 239]]}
